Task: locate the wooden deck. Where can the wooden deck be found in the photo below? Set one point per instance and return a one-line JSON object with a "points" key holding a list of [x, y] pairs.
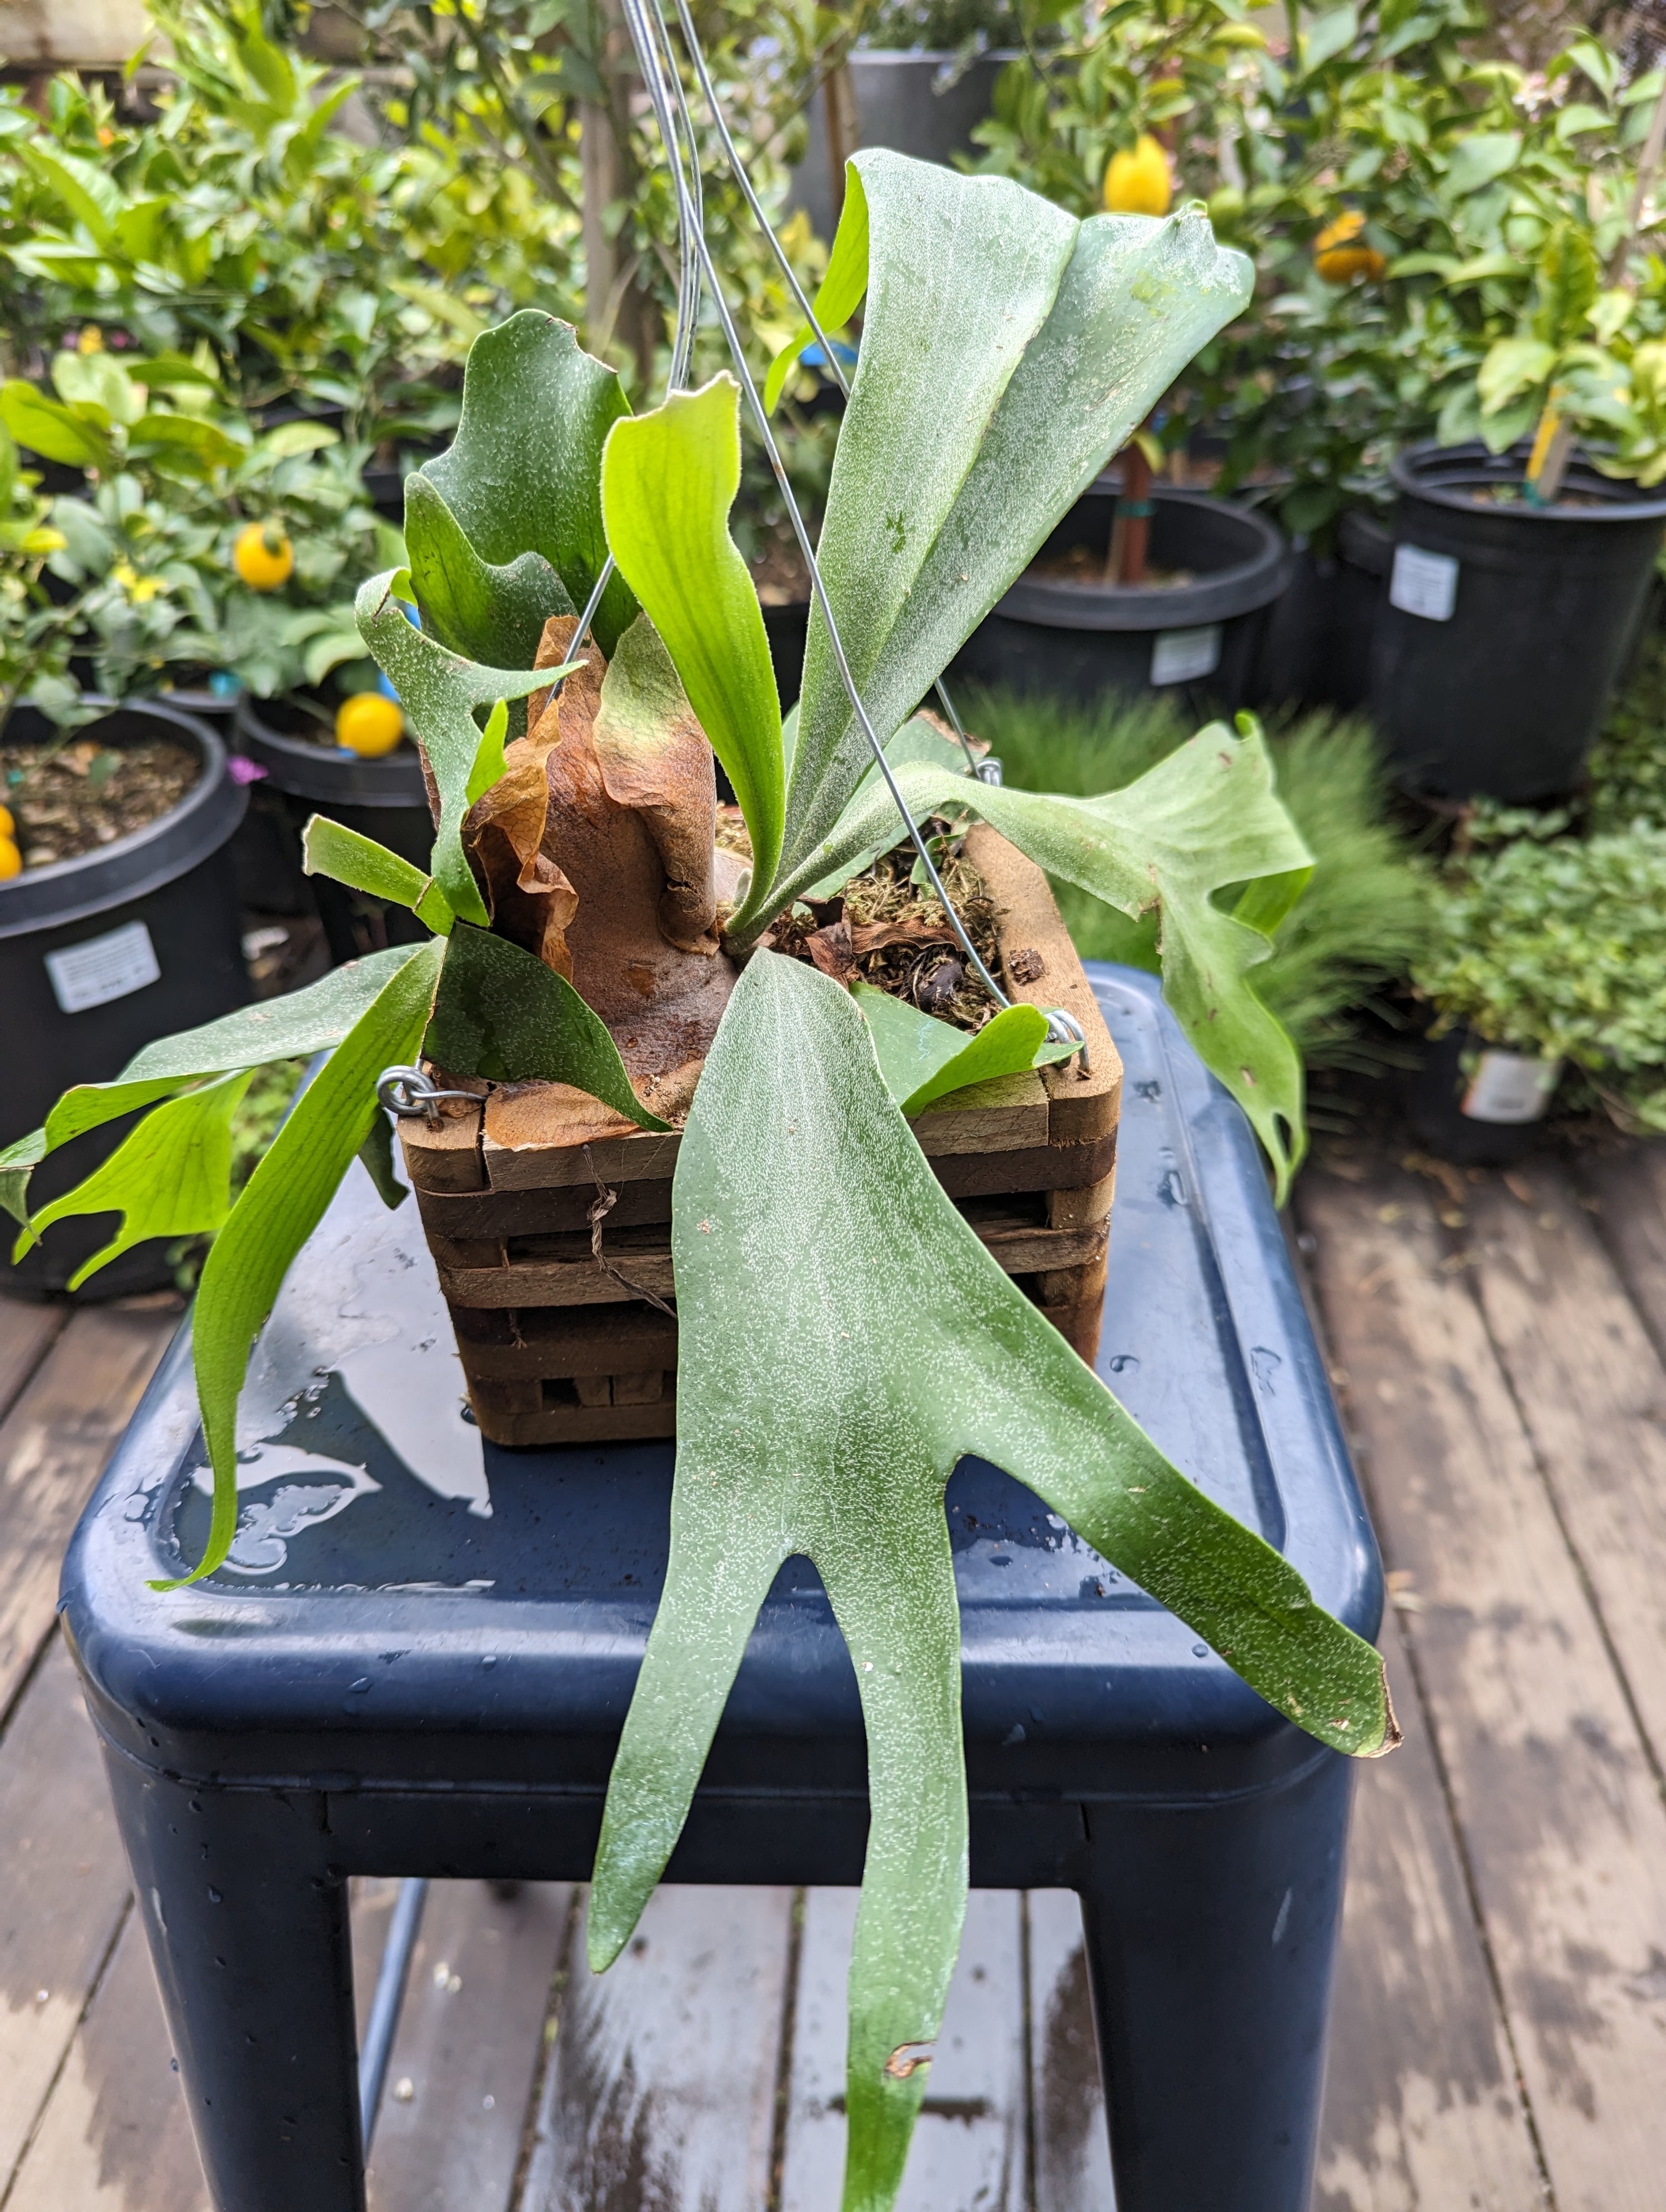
{"points": [[1500, 2026]]}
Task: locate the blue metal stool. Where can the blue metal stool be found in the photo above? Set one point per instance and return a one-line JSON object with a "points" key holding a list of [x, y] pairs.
{"points": [[419, 1657]]}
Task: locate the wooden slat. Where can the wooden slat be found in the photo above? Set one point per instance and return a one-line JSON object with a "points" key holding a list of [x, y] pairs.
{"points": [[1421, 2106], [1592, 1390], [1040, 967], [969, 2140], [1563, 1826], [660, 2090], [115, 2136], [1626, 1194], [1029, 1249], [1067, 2093], [469, 2039], [27, 1332], [64, 1889], [53, 1445]]}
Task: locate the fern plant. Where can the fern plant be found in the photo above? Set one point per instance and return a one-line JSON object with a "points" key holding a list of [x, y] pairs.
{"points": [[844, 1337]]}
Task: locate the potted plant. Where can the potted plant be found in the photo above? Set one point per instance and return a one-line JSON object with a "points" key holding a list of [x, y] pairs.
{"points": [[1146, 584], [117, 912], [804, 1212], [919, 78], [1550, 955]]}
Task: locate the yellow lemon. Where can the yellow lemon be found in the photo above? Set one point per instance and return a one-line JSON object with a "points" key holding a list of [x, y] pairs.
{"points": [[11, 860], [263, 556], [1139, 183], [369, 724], [8, 827], [1338, 259]]}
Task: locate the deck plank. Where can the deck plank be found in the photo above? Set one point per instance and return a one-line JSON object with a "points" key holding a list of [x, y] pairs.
{"points": [[1625, 1191], [466, 2056], [1067, 2093], [1422, 2112], [53, 1446], [1592, 1391], [1565, 1830], [114, 2136], [27, 1334], [969, 2140], [64, 1893], [660, 2095]]}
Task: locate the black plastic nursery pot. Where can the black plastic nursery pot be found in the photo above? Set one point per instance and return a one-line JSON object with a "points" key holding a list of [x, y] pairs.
{"points": [[1317, 645], [99, 956], [920, 100], [1477, 1105], [1077, 639], [384, 798], [1506, 627]]}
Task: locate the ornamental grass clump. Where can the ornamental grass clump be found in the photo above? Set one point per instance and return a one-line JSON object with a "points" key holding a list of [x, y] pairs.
{"points": [[574, 639]]}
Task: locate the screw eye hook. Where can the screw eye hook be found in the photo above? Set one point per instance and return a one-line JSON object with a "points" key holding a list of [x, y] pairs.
{"points": [[407, 1092], [1065, 1028]]}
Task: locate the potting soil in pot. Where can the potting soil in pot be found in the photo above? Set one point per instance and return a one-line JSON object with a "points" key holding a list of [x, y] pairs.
{"points": [[888, 931], [68, 798]]}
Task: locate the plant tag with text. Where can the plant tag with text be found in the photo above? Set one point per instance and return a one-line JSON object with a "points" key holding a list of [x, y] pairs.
{"points": [[103, 968], [1181, 656], [1510, 1087], [1424, 583]]}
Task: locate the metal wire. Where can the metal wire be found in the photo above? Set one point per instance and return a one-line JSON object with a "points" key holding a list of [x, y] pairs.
{"points": [[830, 359], [389, 1994], [645, 33]]}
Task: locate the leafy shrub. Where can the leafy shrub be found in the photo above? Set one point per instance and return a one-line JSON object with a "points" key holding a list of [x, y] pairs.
{"points": [[1366, 915], [1558, 947]]}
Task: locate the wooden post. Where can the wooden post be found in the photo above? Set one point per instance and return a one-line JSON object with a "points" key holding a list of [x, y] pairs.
{"points": [[839, 108], [1130, 532], [616, 306]]}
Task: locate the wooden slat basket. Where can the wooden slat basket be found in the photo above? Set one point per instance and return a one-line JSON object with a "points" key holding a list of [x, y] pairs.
{"points": [[558, 1349]]}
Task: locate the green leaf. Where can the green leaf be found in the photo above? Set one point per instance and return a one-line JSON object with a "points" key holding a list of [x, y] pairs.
{"points": [[916, 741], [329, 849], [99, 381], [279, 1207], [376, 1153], [438, 692], [923, 1059], [1007, 352], [1206, 818], [1482, 157], [1329, 36], [487, 614], [185, 437], [669, 479], [897, 1345], [1512, 366], [524, 475], [290, 1028], [490, 765], [169, 1177], [840, 293], [53, 431], [90, 197], [501, 1014]]}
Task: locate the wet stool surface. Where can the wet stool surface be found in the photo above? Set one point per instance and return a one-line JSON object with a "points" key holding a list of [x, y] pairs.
{"points": [[418, 1657]]}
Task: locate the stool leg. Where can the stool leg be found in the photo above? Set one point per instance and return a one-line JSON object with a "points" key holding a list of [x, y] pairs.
{"points": [[249, 1935], [1211, 1933]]}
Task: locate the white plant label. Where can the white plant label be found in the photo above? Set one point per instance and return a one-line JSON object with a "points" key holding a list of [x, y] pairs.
{"points": [[1424, 583], [1510, 1087], [1181, 656], [103, 968]]}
